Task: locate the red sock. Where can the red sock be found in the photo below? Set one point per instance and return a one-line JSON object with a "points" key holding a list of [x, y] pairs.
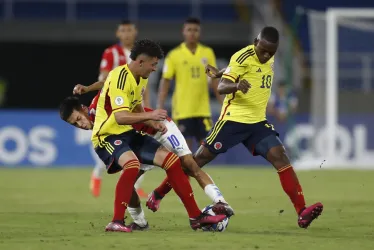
{"points": [[124, 188], [164, 187], [180, 184], [291, 186]]}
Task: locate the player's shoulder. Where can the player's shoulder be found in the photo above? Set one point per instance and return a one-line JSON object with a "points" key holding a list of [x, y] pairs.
{"points": [[175, 51], [243, 54], [111, 48], [205, 48]]}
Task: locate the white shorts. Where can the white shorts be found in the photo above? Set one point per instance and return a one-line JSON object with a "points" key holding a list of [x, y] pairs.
{"points": [[173, 139]]}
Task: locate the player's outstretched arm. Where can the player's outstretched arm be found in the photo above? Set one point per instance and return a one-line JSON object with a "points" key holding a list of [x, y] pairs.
{"points": [[79, 89], [128, 118], [227, 86], [213, 72]]}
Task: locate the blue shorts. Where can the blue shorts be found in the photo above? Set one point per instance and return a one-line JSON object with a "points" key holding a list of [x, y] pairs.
{"points": [[113, 146], [227, 134], [196, 127]]}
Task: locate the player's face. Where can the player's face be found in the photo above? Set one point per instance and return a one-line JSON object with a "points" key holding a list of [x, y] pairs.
{"points": [[80, 119], [126, 34], [191, 33], [147, 66], [265, 50]]}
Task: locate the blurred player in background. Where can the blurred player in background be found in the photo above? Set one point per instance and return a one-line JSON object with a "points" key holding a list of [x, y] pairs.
{"points": [[114, 56], [186, 65], [247, 83], [282, 103]]}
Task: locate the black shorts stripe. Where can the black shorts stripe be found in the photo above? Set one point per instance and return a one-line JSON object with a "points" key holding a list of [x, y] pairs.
{"points": [[122, 79]]}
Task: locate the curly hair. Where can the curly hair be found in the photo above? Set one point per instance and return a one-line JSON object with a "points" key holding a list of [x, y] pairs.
{"points": [[147, 47]]}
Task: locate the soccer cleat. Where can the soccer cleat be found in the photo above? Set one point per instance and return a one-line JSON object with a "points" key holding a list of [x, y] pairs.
{"points": [[136, 227], [116, 226], [205, 220], [153, 202], [310, 213], [141, 193], [223, 208], [95, 186]]}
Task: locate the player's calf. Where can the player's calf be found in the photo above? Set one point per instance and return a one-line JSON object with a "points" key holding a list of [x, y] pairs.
{"points": [[272, 149]]}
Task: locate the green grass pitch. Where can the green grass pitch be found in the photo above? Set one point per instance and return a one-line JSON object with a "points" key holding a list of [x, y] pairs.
{"points": [[53, 209]]}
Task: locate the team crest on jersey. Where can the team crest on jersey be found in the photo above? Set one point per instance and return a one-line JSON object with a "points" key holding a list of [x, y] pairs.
{"points": [[118, 100], [117, 142], [272, 67], [217, 146], [204, 61]]}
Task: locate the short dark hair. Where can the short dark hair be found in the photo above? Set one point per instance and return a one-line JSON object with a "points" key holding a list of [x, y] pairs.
{"points": [[68, 105], [147, 47], [192, 20], [126, 22], [270, 34]]}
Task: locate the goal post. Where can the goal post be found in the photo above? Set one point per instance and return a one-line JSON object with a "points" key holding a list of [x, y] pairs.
{"points": [[340, 128], [332, 79]]}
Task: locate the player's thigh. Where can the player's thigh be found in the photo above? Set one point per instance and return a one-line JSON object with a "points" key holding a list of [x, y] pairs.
{"points": [[173, 140], [145, 148], [223, 136], [263, 139], [202, 128], [115, 151]]}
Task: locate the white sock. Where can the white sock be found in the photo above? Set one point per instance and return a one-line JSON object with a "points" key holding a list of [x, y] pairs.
{"points": [[98, 170], [137, 214], [138, 183], [214, 194]]}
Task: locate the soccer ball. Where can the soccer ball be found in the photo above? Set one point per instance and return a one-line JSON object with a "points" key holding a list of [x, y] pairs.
{"points": [[220, 226]]}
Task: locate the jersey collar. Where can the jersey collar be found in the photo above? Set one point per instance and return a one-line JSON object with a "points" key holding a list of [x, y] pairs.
{"points": [[255, 55], [189, 51]]}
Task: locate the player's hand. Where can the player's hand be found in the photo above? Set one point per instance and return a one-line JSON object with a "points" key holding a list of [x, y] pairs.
{"points": [[80, 89], [212, 71], [159, 126], [158, 115], [243, 86]]}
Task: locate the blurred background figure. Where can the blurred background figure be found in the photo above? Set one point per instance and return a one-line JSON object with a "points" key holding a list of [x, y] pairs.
{"points": [[282, 103]]}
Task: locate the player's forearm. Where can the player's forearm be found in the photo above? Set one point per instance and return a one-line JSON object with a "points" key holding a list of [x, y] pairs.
{"points": [[95, 86], [103, 75], [226, 86], [129, 118], [163, 92]]}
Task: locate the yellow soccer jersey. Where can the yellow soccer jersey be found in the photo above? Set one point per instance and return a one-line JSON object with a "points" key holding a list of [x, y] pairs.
{"points": [[249, 107], [191, 94], [120, 92]]}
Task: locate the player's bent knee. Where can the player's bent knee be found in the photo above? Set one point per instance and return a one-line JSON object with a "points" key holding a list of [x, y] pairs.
{"points": [[265, 146], [160, 156], [125, 157]]}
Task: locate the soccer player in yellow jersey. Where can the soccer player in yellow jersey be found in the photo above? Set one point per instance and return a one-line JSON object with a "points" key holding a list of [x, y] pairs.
{"points": [[120, 147], [185, 64], [247, 83]]}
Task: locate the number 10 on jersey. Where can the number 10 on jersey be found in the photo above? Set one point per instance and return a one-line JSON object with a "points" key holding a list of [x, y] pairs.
{"points": [[174, 141], [266, 82]]}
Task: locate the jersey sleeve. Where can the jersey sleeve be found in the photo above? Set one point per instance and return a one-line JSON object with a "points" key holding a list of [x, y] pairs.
{"points": [[107, 60], [212, 58], [118, 92], [237, 67], [168, 71]]}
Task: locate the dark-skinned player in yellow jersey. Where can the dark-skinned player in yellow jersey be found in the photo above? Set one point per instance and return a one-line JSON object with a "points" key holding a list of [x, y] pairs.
{"points": [[247, 83]]}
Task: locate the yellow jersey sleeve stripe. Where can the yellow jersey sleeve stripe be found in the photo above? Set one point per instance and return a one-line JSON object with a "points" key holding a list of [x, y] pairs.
{"points": [[228, 104], [122, 79], [245, 55], [229, 77], [120, 109]]}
